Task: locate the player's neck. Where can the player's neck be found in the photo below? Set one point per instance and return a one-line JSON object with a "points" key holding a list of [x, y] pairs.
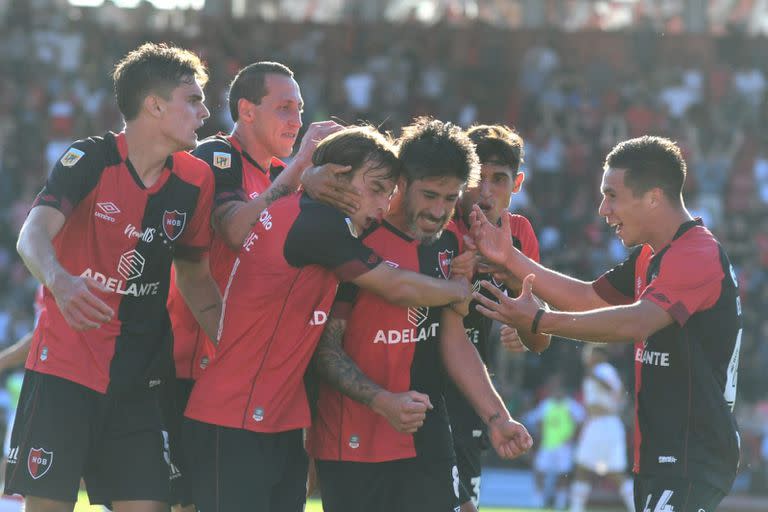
{"points": [[667, 226], [147, 152], [256, 150], [397, 215]]}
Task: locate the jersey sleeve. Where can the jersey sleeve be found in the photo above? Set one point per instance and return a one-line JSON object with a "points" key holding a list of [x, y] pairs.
{"points": [[523, 231], [73, 177], [617, 286], [682, 289], [196, 238], [322, 235], [345, 299], [227, 166]]}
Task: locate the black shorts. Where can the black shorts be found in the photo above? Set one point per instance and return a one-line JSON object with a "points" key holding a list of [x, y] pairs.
{"points": [[469, 452], [406, 485], [232, 469], [64, 431], [678, 494], [175, 395]]}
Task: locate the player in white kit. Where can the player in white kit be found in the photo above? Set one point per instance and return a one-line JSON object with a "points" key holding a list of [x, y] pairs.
{"points": [[602, 449]]}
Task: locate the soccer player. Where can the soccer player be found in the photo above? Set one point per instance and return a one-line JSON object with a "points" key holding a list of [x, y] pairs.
{"points": [[114, 214], [382, 438], [500, 151], [602, 448], [675, 297], [265, 103], [245, 414]]}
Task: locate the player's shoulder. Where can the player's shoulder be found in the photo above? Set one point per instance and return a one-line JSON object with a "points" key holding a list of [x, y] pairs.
{"points": [[218, 152], [191, 169], [519, 224], [95, 150], [698, 241]]}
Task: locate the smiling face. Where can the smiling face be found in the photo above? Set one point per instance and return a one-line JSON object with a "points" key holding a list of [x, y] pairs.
{"points": [[183, 113], [429, 204], [626, 213], [376, 185], [277, 117], [497, 184]]}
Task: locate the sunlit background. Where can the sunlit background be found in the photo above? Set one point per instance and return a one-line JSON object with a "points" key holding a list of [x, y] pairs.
{"points": [[573, 76]]}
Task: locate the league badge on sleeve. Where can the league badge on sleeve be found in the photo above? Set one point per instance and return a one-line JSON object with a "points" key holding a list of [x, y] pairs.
{"points": [[444, 259], [71, 157], [173, 223], [222, 160]]}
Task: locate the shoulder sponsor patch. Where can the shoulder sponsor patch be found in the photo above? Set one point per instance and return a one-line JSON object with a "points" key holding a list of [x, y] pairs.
{"points": [[71, 157], [222, 160]]}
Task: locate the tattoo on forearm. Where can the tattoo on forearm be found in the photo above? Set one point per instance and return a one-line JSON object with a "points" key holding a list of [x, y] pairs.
{"points": [[339, 369], [493, 417], [275, 192]]}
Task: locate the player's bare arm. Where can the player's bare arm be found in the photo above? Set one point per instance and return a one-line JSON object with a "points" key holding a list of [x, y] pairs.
{"points": [[634, 322], [495, 246], [193, 277], [233, 220], [404, 411], [406, 288], [15, 355], [80, 306], [463, 364]]}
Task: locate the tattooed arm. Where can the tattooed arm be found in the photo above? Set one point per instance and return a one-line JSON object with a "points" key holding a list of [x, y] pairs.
{"points": [[200, 292], [404, 411]]}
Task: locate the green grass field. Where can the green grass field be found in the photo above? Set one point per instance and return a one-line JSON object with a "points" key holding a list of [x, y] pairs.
{"points": [[315, 506]]}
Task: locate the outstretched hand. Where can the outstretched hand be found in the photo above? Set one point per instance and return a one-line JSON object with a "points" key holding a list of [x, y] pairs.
{"points": [[518, 312], [325, 183], [492, 242]]}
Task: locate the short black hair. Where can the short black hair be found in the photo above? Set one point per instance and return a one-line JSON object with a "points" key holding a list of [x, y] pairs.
{"points": [[250, 83], [497, 144], [357, 145], [153, 68], [650, 162], [430, 148]]}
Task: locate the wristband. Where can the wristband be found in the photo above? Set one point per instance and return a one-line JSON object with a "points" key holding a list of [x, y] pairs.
{"points": [[535, 323]]}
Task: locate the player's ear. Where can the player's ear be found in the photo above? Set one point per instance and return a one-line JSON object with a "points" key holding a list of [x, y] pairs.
{"points": [[519, 179], [154, 105], [245, 110]]}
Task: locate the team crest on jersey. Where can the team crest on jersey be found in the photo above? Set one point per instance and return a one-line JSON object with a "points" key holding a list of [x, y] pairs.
{"points": [[417, 315], [444, 259], [173, 223], [222, 160], [39, 462], [71, 157]]}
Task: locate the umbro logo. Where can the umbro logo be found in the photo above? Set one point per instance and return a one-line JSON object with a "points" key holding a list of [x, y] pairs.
{"points": [[106, 210]]}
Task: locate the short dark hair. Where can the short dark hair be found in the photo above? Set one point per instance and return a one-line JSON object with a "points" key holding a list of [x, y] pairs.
{"points": [[153, 68], [430, 148], [650, 162], [497, 144], [250, 83], [357, 145]]}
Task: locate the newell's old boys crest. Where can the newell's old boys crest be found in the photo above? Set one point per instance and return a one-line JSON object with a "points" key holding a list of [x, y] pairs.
{"points": [[71, 157], [222, 160], [39, 462], [444, 258], [173, 223]]}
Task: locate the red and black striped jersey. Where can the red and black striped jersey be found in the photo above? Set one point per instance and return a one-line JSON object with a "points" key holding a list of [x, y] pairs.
{"points": [[276, 303], [237, 177], [465, 423], [124, 235], [396, 347], [685, 374]]}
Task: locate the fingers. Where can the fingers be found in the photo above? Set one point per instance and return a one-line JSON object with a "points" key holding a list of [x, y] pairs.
{"points": [[338, 169], [494, 291], [100, 309], [528, 285], [489, 313], [469, 243], [421, 398]]}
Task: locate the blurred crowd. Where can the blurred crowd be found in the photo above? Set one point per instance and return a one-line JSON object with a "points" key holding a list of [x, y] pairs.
{"points": [[572, 97]]}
